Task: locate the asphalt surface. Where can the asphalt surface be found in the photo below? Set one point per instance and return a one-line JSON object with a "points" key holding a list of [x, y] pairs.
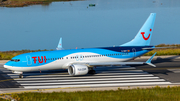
{"points": [[167, 72], [4, 82], [166, 68]]}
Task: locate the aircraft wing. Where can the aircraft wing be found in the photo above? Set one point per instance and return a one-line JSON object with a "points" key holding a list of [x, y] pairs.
{"points": [[122, 63], [114, 63]]}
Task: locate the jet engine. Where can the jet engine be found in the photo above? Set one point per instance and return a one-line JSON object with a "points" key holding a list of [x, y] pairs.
{"points": [[77, 69]]}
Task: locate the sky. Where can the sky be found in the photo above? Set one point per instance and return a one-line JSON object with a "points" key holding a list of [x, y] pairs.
{"points": [[110, 22]]}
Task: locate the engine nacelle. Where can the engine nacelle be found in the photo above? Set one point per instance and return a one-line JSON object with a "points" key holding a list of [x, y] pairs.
{"points": [[77, 69]]}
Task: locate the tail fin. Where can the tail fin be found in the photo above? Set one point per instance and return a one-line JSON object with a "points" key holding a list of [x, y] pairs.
{"points": [[144, 35], [59, 47]]}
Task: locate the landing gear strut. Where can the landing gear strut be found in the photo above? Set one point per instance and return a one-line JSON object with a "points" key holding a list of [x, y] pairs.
{"points": [[91, 71], [20, 75]]}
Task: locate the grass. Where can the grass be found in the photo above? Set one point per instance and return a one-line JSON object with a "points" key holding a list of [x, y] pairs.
{"points": [[165, 51], [4, 99], [22, 3], [149, 94], [41, 0], [161, 52], [8, 55]]}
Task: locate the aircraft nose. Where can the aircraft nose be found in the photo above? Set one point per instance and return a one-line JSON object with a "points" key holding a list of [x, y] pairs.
{"points": [[7, 65]]}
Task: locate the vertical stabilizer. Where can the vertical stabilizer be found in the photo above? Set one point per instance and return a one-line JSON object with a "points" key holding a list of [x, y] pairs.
{"points": [[59, 47], [143, 37]]}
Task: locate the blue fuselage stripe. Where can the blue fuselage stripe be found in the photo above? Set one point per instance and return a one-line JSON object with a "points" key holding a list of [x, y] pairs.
{"points": [[45, 57]]}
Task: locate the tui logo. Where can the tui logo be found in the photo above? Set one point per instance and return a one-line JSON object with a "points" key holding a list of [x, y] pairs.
{"points": [[39, 59], [144, 36]]}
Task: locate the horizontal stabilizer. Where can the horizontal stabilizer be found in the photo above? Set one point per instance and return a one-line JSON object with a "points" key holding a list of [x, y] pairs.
{"points": [[150, 59], [156, 48]]}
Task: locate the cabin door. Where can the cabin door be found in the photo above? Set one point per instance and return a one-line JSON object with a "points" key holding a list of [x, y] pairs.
{"points": [[134, 52], [29, 60]]}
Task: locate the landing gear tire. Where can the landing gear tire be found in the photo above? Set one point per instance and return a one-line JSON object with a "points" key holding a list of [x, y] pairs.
{"points": [[92, 72], [20, 75]]}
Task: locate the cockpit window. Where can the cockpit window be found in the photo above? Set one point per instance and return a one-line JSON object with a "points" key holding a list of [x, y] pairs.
{"points": [[15, 60]]}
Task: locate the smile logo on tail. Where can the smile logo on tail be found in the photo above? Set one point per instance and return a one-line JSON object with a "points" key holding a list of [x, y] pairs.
{"points": [[144, 36]]}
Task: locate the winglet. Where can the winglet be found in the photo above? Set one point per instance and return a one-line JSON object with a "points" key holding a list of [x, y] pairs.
{"points": [[150, 59]]}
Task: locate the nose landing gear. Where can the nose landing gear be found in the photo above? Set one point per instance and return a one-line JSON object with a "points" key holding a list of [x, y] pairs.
{"points": [[20, 73]]}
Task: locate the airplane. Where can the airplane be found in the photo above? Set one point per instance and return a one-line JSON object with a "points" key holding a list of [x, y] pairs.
{"points": [[82, 61], [59, 47]]}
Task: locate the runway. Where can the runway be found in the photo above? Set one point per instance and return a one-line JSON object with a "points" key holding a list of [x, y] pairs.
{"points": [[167, 72]]}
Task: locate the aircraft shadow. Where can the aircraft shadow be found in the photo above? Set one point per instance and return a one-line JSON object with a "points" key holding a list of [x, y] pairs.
{"points": [[162, 65]]}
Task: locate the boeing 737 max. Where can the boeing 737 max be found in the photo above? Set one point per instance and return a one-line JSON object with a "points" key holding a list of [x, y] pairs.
{"points": [[82, 61]]}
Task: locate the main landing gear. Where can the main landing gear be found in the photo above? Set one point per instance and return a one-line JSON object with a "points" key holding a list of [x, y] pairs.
{"points": [[91, 71], [20, 75]]}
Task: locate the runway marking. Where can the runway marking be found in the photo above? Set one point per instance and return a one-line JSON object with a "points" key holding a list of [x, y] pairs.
{"points": [[89, 76], [108, 76], [91, 82], [67, 73], [94, 76], [62, 80], [39, 90], [6, 80], [102, 85], [160, 68], [175, 70]]}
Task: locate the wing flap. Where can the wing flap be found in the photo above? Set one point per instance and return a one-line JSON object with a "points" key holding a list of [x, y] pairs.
{"points": [[114, 63]]}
